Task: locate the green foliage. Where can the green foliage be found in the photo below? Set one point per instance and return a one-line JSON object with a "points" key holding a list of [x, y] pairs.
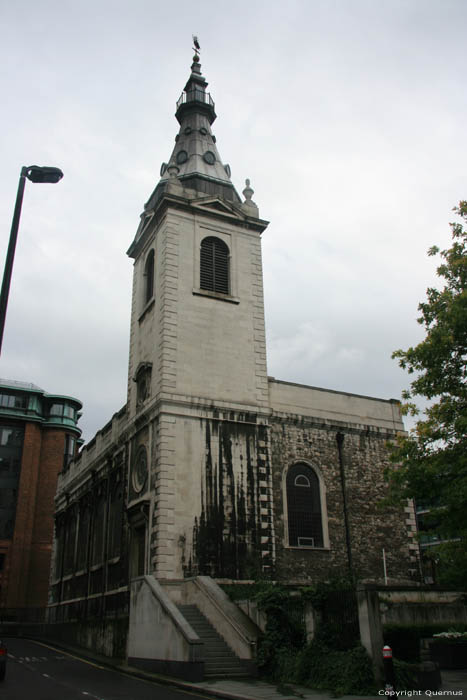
{"points": [[341, 672], [406, 675], [244, 591], [285, 630], [319, 593], [337, 603], [432, 459], [283, 655], [451, 563], [404, 640]]}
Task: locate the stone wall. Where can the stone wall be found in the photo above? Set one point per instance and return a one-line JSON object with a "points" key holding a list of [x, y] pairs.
{"points": [[221, 526], [422, 607], [350, 460]]}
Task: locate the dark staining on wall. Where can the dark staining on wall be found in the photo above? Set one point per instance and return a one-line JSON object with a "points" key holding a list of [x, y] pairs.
{"points": [[227, 535], [92, 548], [242, 484]]}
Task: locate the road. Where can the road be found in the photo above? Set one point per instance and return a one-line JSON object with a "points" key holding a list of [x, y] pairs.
{"points": [[39, 672]]}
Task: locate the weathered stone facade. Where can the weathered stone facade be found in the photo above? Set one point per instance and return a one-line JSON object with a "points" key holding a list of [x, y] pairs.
{"points": [[209, 467], [351, 460]]}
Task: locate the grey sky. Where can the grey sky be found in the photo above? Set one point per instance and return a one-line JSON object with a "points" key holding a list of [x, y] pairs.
{"points": [[348, 116]]}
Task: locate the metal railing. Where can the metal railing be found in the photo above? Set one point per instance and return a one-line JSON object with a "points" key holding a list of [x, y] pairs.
{"points": [[196, 95]]}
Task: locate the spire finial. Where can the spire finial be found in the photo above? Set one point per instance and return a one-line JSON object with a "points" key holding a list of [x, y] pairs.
{"points": [[196, 49]]}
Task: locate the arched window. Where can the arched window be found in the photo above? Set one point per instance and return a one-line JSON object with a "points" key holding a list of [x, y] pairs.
{"points": [[304, 507], [149, 277], [214, 265]]}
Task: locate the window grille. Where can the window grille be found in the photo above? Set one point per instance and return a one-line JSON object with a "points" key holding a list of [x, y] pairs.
{"points": [[214, 265], [304, 507]]}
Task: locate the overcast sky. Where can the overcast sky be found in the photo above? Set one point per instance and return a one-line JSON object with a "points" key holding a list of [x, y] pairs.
{"points": [[348, 116]]}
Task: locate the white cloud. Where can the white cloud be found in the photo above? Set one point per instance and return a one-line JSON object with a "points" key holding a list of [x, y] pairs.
{"points": [[348, 118]]}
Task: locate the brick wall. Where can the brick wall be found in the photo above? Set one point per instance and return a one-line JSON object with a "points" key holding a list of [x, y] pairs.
{"points": [[29, 560], [51, 463]]}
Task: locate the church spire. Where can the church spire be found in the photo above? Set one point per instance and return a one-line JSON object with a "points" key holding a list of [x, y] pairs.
{"points": [[195, 97], [195, 160]]}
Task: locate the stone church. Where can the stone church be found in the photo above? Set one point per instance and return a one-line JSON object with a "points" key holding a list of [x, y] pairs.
{"points": [[212, 468]]}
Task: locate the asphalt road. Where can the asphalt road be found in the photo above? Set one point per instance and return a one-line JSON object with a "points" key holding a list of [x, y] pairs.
{"points": [[39, 672]]}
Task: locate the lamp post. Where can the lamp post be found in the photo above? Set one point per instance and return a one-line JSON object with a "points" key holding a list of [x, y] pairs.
{"points": [[34, 173]]}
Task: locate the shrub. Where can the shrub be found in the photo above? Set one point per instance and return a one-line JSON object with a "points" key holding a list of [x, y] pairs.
{"points": [[285, 633], [341, 672], [406, 675], [329, 662]]}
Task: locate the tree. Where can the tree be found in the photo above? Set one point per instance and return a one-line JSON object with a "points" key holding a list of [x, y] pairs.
{"points": [[432, 459]]}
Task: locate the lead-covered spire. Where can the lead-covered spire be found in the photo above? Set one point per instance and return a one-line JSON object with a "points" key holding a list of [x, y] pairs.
{"points": [[195, 160]]}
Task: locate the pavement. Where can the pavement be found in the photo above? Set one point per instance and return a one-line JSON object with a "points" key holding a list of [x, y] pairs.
{"points": [[454, 683]]}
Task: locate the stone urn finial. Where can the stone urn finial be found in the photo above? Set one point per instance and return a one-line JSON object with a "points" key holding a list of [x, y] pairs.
{"points": [[249, 206], [248, 192], [173, 170]]}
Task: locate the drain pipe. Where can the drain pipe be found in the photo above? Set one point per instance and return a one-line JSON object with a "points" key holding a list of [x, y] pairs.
{"points": [[340, 449]]}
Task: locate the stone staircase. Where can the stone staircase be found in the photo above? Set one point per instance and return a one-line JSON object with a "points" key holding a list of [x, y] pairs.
{"points": [[219, 659]]}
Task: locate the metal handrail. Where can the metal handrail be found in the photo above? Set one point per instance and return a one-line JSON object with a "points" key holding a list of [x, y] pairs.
{"points": [[195, 95]]}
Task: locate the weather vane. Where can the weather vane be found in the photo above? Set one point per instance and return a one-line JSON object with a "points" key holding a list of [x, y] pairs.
{"points": [[197, 47]]}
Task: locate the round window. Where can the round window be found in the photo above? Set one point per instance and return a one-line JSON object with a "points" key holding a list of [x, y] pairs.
{"points": [[182, 157], [140, 470], [209, 158]]}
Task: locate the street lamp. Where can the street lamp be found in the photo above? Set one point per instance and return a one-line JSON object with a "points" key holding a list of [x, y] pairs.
{"points": [[34, 173]]}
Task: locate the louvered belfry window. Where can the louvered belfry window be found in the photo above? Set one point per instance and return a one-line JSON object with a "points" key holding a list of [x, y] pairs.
{"points": [[304, 507], [214, 265]]}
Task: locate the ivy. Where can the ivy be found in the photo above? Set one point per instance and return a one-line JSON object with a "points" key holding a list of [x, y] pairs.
{"points": [[283, 654], [342, 672]]}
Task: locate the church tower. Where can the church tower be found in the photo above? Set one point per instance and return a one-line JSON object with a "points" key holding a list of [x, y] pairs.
{"points": [[211, 468], [197, 381]]}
